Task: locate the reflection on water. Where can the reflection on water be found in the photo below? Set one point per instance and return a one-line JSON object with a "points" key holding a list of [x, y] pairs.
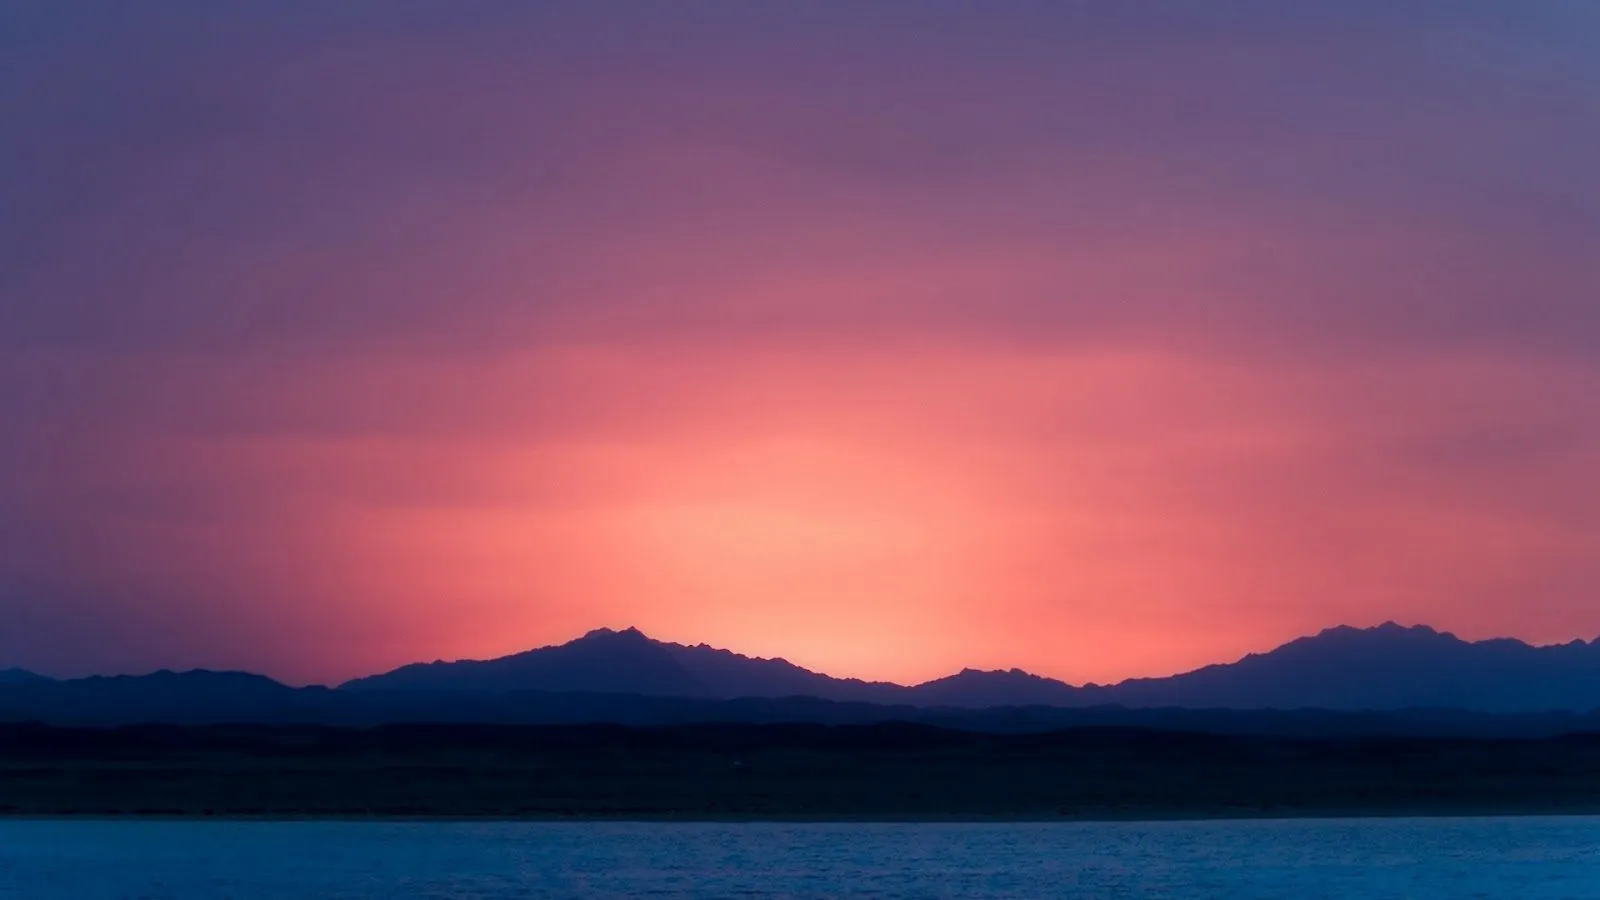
{"points": [[1537, 858]]}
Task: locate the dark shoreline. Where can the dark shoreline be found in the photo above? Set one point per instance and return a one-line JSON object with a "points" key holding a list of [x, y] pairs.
{"points": [[676, 819], [787, 773]]}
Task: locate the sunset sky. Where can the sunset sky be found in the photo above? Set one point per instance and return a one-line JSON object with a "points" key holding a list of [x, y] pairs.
{"points": [[1100, 339]]}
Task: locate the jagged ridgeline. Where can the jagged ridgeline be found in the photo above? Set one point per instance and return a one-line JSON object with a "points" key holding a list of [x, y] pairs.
{"points": [[1388, 679]]}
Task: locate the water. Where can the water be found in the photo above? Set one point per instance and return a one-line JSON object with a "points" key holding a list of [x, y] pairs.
{"points": [[1438, 859]]}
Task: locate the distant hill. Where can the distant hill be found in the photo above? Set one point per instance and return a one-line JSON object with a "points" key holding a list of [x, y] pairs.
{"points": [[1389, 680], [602, 661], [1384, 668], [977, 688], [219, 698], [731, 675], [20, 676], [1388, 667], [175, 697], [628, 662]]}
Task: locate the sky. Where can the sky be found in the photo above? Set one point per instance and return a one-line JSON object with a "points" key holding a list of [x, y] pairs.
{"points": [[1097, 339]]}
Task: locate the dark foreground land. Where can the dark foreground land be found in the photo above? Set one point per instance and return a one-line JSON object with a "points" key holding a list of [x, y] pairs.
{"points": [[775, 771]]}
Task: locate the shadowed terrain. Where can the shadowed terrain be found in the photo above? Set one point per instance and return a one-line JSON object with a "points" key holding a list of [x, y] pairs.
{"points": [[775, 771], [1384, 680], [1388, 667]]}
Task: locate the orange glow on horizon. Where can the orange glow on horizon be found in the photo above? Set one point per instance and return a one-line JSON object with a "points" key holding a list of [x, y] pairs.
{"points": [[1058, 339], [920, 522]]}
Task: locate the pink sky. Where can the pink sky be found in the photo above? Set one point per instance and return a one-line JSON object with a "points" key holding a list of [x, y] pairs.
{"points": [[890, 341]]}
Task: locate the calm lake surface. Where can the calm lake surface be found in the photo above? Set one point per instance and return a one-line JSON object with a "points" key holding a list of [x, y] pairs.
{"points": [[1555, 857]]}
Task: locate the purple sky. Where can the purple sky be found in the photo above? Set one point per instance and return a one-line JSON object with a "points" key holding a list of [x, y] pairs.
{"points": [[1104, 339]]}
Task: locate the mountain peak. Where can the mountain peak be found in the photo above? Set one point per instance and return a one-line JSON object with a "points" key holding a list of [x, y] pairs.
{"points": [[1393, 627], [1013, 673], [630, 632], [1383, 666], [603, 661], [1389, 628]]}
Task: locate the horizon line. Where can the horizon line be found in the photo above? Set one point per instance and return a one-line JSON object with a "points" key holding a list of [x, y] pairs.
{"points": [[1387, 624]]}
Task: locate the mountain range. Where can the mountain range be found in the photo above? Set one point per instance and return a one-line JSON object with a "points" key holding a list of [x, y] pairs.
{"points": [[1388, 667], [625, 676]]}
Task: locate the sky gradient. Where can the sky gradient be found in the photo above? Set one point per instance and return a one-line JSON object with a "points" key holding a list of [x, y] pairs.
{"points": [[1098, 339]]}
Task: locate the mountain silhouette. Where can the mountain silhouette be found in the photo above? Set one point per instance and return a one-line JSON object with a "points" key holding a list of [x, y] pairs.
{"points": [[20, 676], [1388, 667], [602, 661], [627, 662], [731, 675], [978, 688], [1388, 679], [164, 696]]}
